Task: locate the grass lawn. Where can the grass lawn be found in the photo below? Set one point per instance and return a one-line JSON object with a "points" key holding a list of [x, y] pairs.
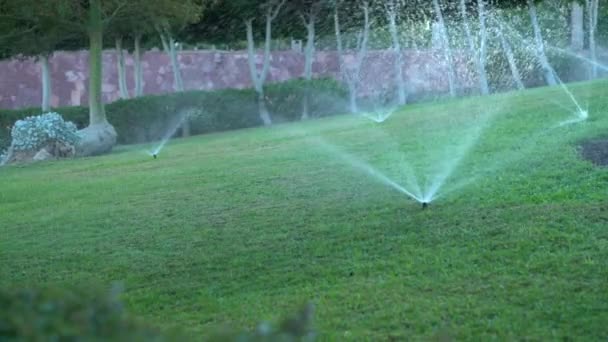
{"points": [[239, 227]]}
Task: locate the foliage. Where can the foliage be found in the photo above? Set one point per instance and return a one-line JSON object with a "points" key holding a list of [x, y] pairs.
{"points": [[147, 118], [75, 313], [90, 313], [35, 132]]}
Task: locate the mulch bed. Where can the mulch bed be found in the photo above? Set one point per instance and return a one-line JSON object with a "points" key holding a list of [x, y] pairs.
{"points": [[596, 151]]}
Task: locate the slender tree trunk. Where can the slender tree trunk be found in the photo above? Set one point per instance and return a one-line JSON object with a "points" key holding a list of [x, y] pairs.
{"points": [[592, 6], [577, 33], [46, 83], [447, 50], [169, 47], [139, 86], [338, 31], [511, 59], [120, 65], [481, 59], [256, 78], [259, 79], [309, 56], [540, 46], [353, 77], [391, 13], [479, 56], [352, 96], [97, 113]]}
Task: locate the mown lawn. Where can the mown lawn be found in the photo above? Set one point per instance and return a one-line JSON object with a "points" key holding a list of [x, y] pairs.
{"points": [[239, 227]]}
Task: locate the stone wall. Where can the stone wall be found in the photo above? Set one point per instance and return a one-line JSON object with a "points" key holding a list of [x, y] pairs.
{"points": [[20, 80]]}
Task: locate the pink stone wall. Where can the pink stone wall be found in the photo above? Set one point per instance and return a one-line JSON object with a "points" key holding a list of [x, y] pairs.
{"points": [[206, 70]]}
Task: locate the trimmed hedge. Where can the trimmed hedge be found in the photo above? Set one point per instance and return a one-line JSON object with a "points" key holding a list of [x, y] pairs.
{"points": [[146, 118]]}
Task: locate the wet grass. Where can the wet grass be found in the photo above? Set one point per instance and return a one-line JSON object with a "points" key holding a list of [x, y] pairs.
{"points": [[239, 227]]}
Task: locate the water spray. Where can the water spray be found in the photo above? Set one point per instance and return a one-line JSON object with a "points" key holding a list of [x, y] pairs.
{"points": [[183, 116]]}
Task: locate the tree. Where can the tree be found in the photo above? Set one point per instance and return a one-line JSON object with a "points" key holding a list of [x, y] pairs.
{"points": [[592, 14], [540, 45], [392, 9], [353, 75], [23, 38], [447, 50], [308, 11], [479, 55], [577, 40], [270, 9]]}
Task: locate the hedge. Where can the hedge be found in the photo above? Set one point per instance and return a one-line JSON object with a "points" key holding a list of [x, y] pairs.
{"points": [[146, 118]]}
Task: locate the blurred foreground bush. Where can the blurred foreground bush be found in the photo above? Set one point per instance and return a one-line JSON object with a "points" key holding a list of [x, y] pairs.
{"points": [[86, 314]]}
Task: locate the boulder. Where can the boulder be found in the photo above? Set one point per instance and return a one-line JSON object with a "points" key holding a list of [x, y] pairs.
{"points": [[53, 150], [96, 139], [43, 155]]}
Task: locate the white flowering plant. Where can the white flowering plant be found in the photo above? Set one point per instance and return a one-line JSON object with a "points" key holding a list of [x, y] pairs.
{"points": [[35, 132]]}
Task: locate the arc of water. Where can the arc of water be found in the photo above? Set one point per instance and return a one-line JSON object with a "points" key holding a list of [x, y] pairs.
{"points": [[172, 129], [581, 57], [582, 114], [450, 166], [362, 166]]}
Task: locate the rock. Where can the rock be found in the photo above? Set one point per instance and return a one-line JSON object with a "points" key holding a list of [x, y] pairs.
{"points": [[96, 139], [43, 155]]}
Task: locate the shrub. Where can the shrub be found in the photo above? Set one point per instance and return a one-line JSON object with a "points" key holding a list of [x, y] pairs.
{"points": [[34, 132], [146, 118], [93, 314], [67, 314]]}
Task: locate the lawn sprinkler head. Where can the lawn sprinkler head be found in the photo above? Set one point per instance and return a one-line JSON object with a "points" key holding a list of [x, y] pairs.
{"points": [[154, 155], [425, 205]]}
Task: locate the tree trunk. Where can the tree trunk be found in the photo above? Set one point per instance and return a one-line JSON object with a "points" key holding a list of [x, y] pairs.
{"points": [[338, 32], [577, 33], [592, 6], [447, 50], [122, 75], [99, 137], [309, 56], [511, 59], [258, 79], [481, 58], [353, 76], [97, 113], [262, 109], [169, 47], [46, 83], [139, 86], [540, 46], [391, 13]]}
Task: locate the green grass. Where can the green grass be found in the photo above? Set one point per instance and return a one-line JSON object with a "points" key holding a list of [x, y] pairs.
{"points": [[239, 227]]}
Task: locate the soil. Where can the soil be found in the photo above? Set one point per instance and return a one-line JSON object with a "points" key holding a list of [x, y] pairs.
{"points": [[596, 151]]}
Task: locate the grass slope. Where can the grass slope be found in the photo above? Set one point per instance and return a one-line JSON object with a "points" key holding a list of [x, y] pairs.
{"points": [[238, 227]]}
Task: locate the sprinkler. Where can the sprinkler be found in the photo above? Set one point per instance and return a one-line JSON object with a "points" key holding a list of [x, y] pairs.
{"points": [[154, 155], [425, 205]]}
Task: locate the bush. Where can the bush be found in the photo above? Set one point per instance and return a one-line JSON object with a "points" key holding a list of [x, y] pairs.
{"points": [[78, 115], [35, 132], [146, 118], [67, 314], [93, 314]]}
